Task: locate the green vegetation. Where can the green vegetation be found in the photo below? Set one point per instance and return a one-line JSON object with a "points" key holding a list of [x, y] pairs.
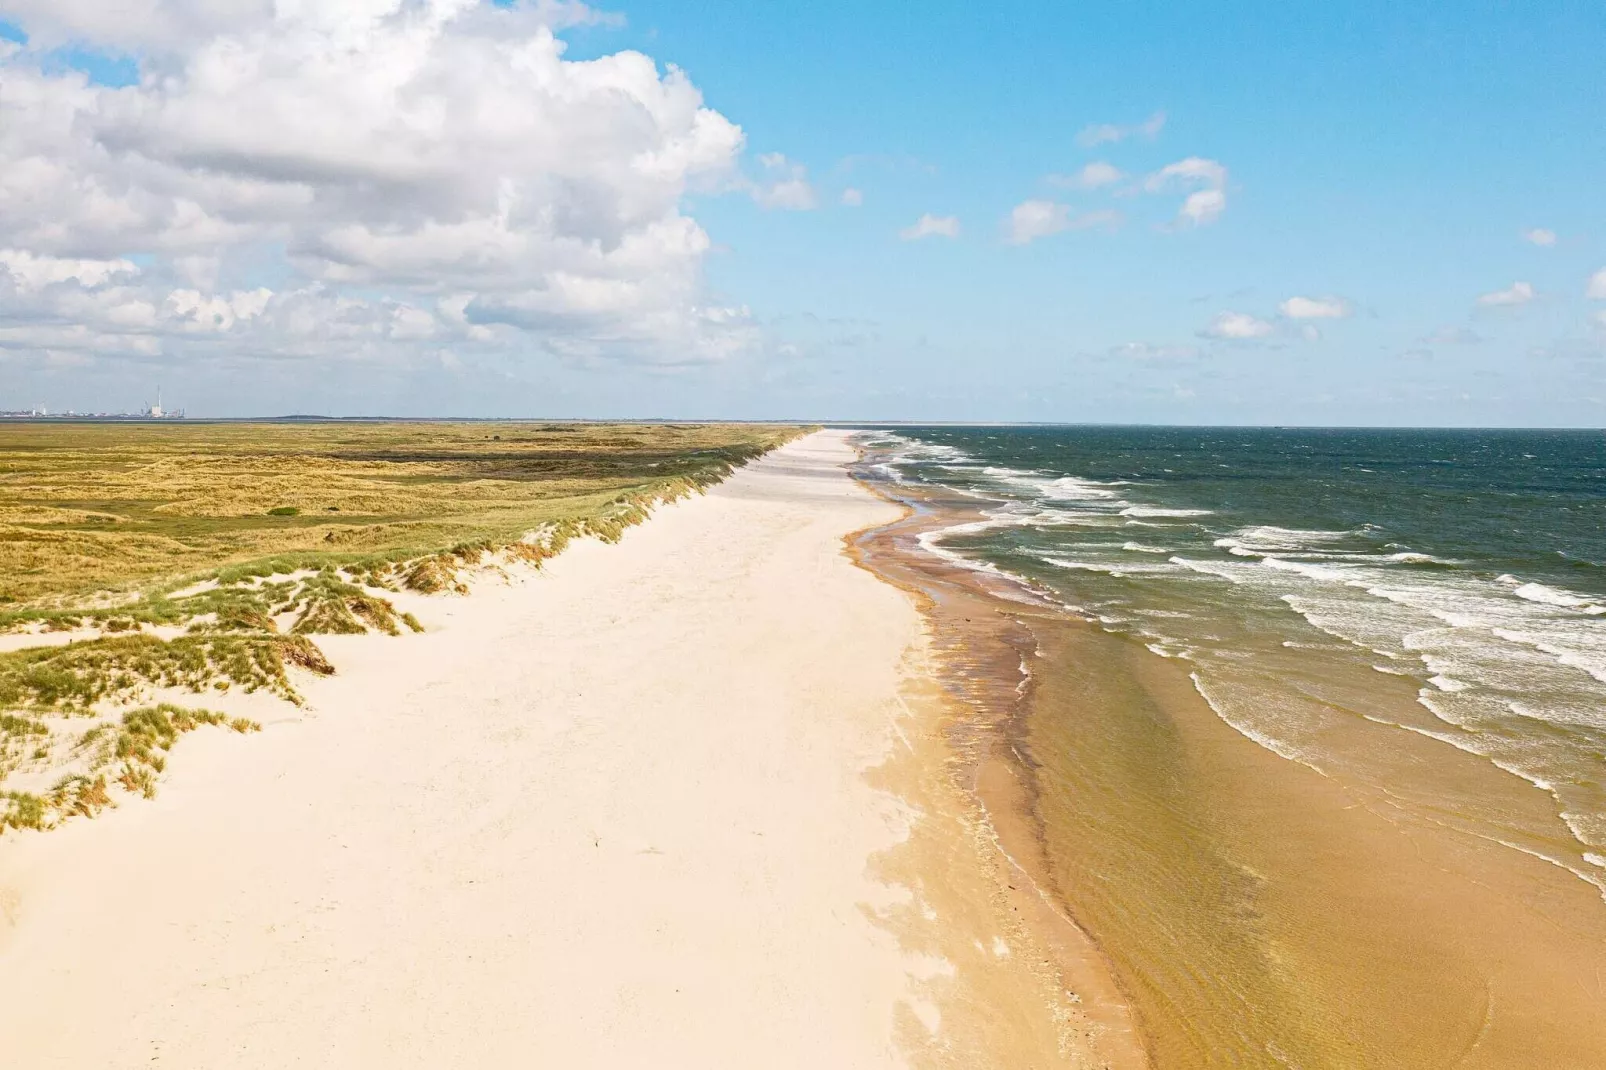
{"points": [[141, 743], [250, 538], [126, 509], [74, 678]]}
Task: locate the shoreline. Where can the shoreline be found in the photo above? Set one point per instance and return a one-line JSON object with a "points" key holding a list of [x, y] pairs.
{"points": [[982, 685], [1254, 912], [644, 806]]}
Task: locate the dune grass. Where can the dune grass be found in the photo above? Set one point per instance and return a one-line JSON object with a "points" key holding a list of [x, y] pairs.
{"points": [[251, 538], [114, 509]]}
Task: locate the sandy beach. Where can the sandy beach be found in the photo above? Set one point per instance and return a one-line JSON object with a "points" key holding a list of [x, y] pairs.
{"points": [[611, 814]]}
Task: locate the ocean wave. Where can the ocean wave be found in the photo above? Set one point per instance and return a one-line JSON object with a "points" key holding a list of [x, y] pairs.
{"points": [[1160, 511], [1308, 569], [1109, 568], [1269, 742], [1221, 570], [1575, 650], [1551, 596], [1055, 488], [1270, 539]]}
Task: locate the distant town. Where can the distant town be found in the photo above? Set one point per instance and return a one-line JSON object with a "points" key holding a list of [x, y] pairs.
{"points": [[147, 412]]}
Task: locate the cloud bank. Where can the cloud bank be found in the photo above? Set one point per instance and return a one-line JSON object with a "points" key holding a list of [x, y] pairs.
{"points": [[375, 178]]}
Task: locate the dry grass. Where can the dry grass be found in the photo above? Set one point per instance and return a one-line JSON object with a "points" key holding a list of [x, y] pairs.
{"points": [[222, 528]]}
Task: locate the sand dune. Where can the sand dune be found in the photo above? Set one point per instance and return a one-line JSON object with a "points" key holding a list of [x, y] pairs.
{"points": [[609, 815]]}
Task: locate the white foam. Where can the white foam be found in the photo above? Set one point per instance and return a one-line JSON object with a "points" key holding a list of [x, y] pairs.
{"points": [[1276, 746], [1158, 511], [1305, 568], [1267, 538], [1550, 596]]}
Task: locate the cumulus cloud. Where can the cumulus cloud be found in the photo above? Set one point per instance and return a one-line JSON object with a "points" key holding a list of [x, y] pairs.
{"points": [[1035, 219], [377, 160], [852, 198], [1518, 293], [1206, 178], [29, 272], [159, 27], [931, 226], [1237, 326], [1315, 308], [1539, 236], [1094, 176], [1596, 290], [1106, 133]]}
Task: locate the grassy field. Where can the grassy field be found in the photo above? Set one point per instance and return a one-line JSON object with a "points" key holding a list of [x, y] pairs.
{"points": [[202, 557]]}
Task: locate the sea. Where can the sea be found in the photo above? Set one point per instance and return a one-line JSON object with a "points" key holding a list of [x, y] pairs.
{"points": [[1414, 618]]}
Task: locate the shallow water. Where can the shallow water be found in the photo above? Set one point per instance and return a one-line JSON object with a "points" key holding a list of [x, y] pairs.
{"points": [[1346, 809]]}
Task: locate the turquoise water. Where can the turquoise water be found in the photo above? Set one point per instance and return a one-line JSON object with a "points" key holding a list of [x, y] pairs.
{"points": [[1289, 568]]}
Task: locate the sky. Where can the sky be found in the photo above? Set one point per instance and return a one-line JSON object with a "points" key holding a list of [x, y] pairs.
{"points": [[1115, 212]]}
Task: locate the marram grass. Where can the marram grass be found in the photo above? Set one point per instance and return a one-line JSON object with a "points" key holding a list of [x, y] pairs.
{"points": [[252, 538]]}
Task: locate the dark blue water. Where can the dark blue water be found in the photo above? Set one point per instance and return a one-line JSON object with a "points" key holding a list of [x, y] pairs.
{"points": [[1295, 569]]}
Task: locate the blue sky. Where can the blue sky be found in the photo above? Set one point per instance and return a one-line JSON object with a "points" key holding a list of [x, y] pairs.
{"points": [[1392, 163]]}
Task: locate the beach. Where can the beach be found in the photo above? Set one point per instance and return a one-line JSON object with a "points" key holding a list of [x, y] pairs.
{"points": [[607, 815], [661, 803]]}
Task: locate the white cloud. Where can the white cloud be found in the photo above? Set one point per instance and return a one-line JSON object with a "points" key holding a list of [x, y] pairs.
{"points": [[1518, 293], [172, 26], [373, 155], [852, 198], [1193, 169], [1315, 308], [30, 272], [787, 186], [1203, 206], [1208, 178], [1596, 289], [1094, 176], [931, 226], [1105, 133], [1035, 219], [1539, 236], [1237, 326]]}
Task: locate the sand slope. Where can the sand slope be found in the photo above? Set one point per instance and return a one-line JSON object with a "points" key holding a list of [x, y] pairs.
{"points": [[611, 815]]}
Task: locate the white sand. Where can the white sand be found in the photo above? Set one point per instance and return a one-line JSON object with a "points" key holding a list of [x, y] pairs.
{"points": [[613, 815]]}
